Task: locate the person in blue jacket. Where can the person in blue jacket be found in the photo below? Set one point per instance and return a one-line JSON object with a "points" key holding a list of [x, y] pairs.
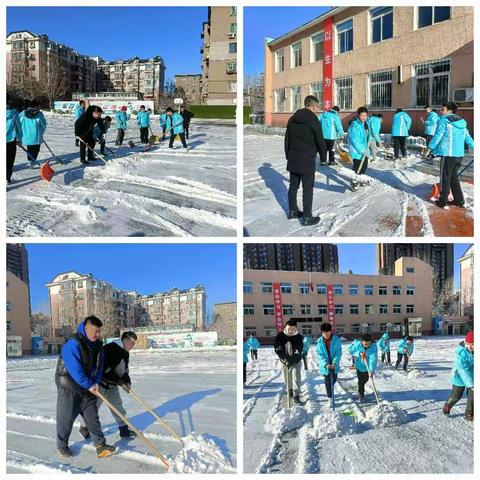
{"points": [[401, 124], [430, 124], [332, 130], [78, 375], [462, 377], [329, 351], [404, 350], [307, 342], [14, 134], [364, 353], [246, 349], [78, 111], [33, 126], [449, 141], [143, 120], [174, 124], [100, 131], [384, 347], [121, 119], [163, 123], [374, 128], [254, 345], [358, 135]]}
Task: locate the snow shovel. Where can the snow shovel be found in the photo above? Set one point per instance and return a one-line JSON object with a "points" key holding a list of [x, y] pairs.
{"points": [[436, 191], [162, 422], [355, 178], [154, 139], [111, 151], [287, 384], [344, 156], [364, 358], [53, 155], [147, 442], [93, 151], [332, 386]]}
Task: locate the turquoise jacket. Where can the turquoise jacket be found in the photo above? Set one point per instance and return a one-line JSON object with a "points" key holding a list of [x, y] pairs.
{"points": [[13, 128], [307, 342], [384, 343], [177, 120], [331, 125], [97, 131], [431, 123], [374, 127], [246, 349], [143, 119], [401, 124], [450, 137], [335, 354], [78, 111], [356, 349], [462, 372], [403, 347], [253, 343], [358, 140], [121, 119], [163, 120], [33, 125]]}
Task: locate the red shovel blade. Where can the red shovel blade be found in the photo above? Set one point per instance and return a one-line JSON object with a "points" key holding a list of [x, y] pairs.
{"points": [[46, 171], [435, 195]]}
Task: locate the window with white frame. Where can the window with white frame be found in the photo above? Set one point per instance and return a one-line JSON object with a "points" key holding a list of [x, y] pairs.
{"points": [[280, 60], [368, 290], [345, 36], [286, 287], [353, 289], [232, 87], [410, 308], [340, 329], [369, 309], [296, 98], [397, 308], [296, 55], [266, 287], [306, 329], [383, 308], [304, 287], [354, 310], [344, 92], [9, 324], [270, 332], [322, 289], [410, 289], [432, 82], [322, 310], [383, 290], [287, 309], [248, 309], [338, 309], [268, 310], [316, 47], [9, 306], [338, 289], [250, 331], [381, 89], [381, 23], [316, 89], [397, 290], [427, 16], [247, 287], [280, 100], [305, 309], [355, 328]]}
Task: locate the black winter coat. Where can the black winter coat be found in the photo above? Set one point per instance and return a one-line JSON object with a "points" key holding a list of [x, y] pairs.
{"points": [[84, 125], [289, 349], [113, 355], [303, 139]]}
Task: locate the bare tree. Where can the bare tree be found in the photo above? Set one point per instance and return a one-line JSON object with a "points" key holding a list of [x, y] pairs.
{"points": [[40, 324], [55, 86], [254, 92], [446, 301]]}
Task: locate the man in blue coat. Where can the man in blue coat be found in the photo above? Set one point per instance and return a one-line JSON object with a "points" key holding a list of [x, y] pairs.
{"points": [[332, 130], [163, 123], [78, 374], [14, 134], [254, 345], [384, 347], [121, 119], [401, 124], [33, 126], [462, 377], [364, 354], [449, 141], [329, 351], [143, 120], [78, 111], [358, 139], [430, 123], [404, 350], [174, 124], [374, 128]]}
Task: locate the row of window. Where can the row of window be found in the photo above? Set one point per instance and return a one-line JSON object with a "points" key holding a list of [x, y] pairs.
{"points": [[321, 288], [381, 29], [306, 309]]}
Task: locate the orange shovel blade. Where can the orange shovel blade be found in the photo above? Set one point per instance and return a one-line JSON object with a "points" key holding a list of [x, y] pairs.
{"points": [[46, 171]]}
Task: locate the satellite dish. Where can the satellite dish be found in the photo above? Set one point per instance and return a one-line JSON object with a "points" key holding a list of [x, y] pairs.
{"points": [[178, 101], [365, 325]]}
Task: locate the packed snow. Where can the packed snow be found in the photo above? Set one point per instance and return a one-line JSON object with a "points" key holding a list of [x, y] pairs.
{"points": [[138, 192], [406, 433], [193, 391], [395, 202]]}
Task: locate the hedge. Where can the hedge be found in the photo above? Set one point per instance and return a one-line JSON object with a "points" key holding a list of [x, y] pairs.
{"points": [[217, 111]]}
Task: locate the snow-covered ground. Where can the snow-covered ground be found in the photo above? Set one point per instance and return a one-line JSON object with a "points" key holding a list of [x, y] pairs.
{"points": [[411, 434], [394, 204], [195, 392], [159, 192]]}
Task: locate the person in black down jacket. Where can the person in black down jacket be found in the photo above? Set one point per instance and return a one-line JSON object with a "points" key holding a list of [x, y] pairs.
{"points": [[303, 139], [288, 347], [84, 130]]}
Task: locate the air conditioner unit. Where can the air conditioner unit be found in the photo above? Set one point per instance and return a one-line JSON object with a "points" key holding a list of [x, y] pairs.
{"points": [[462, 95], [232, 35]]}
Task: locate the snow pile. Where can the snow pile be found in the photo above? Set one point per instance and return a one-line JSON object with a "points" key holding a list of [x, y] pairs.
{"points": [[416, 374], [332, 424], [286, 419], [385, 414], [200, 454]]}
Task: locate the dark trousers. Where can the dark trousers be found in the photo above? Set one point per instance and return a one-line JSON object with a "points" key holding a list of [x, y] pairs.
{"points": [[307, 189], [77, 142], [182, 138], [91, 143], [187, 130], [33, 150], [328, 382], [101, 142], [362, 378], [11, 153], [328, 146], [399, 360], [144, 134], [386, 356], [254, 354], [69, 406], [120, 136], [244, 373], [399, 145], [164, 132], [356, 166], [457, 394], [305, 364], [449, 180]]}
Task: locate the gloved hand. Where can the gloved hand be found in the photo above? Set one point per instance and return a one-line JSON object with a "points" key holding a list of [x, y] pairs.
{"points": [[127, 387]]}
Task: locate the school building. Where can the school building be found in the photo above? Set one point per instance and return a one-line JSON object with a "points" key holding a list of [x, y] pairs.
{"points": [[400, 303], [380, 57]]}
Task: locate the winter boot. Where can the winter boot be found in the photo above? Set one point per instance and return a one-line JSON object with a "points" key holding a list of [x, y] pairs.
{"points": [[294, 214], [65, 452], [104, 450], [309, 221], [439, 204], [84, 433], [125, 432], [446, 409], [354, 186], [296, 400], [333, 162]]}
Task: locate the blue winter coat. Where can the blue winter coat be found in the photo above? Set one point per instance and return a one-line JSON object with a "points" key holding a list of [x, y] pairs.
{"points": [[78, 111], [384, 343], [72, 358], [331, 125], [121, 119], [13, 128], [143, 119], [374, 127], [358, 140], [246, 349], [335, 354], [33, 125], [403, 347], [253, 343], [401, 124], [462, 372], [356, 349], [177, 120], [307, 342], [450, 137], [431, 123]]}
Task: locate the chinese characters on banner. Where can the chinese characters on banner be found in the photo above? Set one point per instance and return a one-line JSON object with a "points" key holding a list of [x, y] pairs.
{"points": [[277, 302], [330, 307], [328, 64]]}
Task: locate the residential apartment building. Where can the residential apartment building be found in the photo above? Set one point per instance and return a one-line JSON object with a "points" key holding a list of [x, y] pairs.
{"points": [[381, 57], [225, 320], [309, 257], [401, 302], [19, 338], [219, 56], [191, 86], [17, 261], [467, 291]]}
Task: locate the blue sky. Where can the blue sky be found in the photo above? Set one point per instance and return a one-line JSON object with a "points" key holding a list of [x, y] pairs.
{"points": [[147, 268], [262, 22], [361, 258], [121, 32]]}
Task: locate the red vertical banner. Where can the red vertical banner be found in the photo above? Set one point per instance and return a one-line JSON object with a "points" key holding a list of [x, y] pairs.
{"points": [[331, 306], [277, 303], [328, 64]]}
